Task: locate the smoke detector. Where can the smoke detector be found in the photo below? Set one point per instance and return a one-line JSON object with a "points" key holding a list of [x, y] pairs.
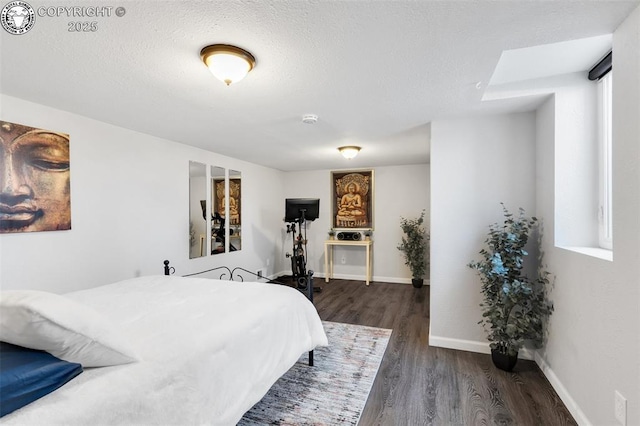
{"points": [[309, 118]]}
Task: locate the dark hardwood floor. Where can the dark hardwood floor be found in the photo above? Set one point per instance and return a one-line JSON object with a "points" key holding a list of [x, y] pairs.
{"points": [[422, 385]]}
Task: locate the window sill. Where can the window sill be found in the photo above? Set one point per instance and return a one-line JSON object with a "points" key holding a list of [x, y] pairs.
{"points": [[596, 252]]}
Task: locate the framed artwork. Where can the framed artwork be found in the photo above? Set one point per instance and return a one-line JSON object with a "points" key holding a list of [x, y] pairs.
{"points": [[352, 199], [36, 195], [219, 200]]}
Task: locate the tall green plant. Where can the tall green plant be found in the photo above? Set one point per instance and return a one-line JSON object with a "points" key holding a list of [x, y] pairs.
{"points": [[515, 307], [414, 245]]}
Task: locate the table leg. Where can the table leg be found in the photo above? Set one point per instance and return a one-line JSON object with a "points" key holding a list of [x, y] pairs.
{"points": [[331, 261], [326, 263], [368, 272]]}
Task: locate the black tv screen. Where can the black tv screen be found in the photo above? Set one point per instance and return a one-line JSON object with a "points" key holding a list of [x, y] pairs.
{"points": [[294, 208]]}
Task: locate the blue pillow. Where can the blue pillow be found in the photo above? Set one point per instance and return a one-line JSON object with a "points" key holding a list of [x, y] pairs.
{"points": [[29, 374]]}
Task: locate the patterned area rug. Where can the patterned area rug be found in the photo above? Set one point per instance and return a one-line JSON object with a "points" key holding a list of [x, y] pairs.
{"points": [[333, 391]]}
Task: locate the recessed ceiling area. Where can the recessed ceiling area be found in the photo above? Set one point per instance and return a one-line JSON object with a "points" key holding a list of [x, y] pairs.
{"points": [[375, 73], [530, 63]]}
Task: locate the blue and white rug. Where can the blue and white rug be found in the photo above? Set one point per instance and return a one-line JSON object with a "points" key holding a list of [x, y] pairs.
{"points": [[333, 391]]}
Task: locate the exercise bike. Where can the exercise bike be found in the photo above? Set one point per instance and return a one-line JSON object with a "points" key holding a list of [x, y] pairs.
{"points": [[218, 234], [301, 276], [298, 260]]}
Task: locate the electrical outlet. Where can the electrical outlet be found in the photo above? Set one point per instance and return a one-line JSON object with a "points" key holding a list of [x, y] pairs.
{"points": [[621, 408], [343, 260]]}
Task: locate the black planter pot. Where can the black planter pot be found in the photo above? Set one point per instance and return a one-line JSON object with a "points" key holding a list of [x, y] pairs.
{"points": [[503, 361], [417, 282]]}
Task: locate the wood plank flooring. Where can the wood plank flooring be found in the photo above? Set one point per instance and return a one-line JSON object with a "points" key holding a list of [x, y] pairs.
{"points": [[422, 385]]}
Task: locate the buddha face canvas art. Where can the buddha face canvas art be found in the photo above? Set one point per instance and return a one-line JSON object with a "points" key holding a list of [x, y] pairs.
{"points": [[35, 193]]}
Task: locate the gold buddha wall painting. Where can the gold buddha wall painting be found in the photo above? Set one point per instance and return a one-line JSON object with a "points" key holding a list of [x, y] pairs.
{"points": [[220, 201], [35, 179], [352, 199]]}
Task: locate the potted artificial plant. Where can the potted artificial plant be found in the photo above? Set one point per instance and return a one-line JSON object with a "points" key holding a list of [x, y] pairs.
{"points": [[414, 248], [515, 307]]}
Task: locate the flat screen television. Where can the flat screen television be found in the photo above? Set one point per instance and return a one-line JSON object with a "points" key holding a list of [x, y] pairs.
{"points": [[294, 207]]}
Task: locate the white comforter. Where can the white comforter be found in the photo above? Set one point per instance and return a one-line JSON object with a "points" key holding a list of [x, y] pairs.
{"points": [[210, 350]]}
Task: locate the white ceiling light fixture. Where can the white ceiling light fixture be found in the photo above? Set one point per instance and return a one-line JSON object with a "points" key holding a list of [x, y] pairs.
{"points": [[349, 152], [227, 63]]}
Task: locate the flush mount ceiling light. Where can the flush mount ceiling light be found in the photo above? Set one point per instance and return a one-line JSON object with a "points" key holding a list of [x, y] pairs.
{"points": [[227, 63], [349, 152]]}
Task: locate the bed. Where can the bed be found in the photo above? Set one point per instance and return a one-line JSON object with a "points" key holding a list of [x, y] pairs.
{"points": [[195, 350]]}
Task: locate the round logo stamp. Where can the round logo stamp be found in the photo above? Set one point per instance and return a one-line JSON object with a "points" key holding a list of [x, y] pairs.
{"points": [[17, 17]]}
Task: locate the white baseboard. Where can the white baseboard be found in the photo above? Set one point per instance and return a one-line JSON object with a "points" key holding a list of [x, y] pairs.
{"points": [[397, 280], [358, 277], [562, 392], [394, 280], [458, 344], [471, 346], [275, 275]]}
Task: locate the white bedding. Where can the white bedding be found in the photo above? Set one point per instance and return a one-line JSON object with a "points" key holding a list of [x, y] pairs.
{"points": [[210, 350]]}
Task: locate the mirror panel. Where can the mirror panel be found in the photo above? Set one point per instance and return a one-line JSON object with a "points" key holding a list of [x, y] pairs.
{"points": [[218, 190], [235, 210], [197, 210]]}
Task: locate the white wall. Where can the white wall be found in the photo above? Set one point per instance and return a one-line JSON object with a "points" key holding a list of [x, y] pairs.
{"points": [[576, 158], [475, 165], [593, 346], [399, 191], [130, 208], [576, 302]]}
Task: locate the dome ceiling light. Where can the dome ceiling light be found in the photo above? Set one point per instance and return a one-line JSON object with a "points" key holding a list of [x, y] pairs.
{"points": [[349, 152], [227, 63]]}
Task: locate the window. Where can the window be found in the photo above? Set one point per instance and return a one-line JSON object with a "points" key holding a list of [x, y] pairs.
{"points": [[605, 151]]}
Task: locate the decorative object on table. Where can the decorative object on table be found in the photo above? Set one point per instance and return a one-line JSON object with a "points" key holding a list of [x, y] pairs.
{"points": [[349, 235], [352, 199], [414, 247], [332, 234], [367, 234], [336, 391], [36, 197], [515, 308]]}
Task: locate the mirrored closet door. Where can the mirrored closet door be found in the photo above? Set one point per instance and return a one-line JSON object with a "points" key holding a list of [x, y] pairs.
{"points": [[197, 210], [215, 210], [218, 214], [235, 210]]}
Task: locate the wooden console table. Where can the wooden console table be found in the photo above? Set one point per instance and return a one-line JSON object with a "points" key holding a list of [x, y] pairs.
{"points": [[328, 256]]}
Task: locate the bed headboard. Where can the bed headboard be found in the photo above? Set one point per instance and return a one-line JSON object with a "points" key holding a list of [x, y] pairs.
{"points": [[236, 274], [168, 270]]}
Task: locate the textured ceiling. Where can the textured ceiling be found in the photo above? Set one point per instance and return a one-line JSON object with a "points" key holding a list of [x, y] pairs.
{"points": [[376, 73]]}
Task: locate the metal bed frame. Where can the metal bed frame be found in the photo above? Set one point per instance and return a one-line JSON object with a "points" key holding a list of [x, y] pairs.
{"points": [[235, 274]]}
